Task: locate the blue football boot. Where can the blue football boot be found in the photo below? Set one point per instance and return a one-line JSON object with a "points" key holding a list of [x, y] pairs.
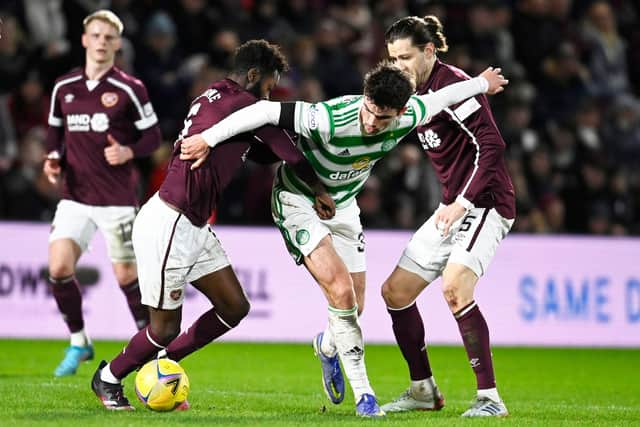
{"points": [[368, 407], [332, 379], [74, 355]]}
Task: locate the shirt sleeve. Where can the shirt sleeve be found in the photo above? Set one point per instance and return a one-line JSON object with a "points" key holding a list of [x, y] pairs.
{"points": [[144, 115], [431, 104], [313, 121], [56, 124], [245, 119]]}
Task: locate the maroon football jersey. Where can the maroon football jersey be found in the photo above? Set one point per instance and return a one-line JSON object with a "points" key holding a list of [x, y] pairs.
{"points": [[196, 192], [466, 148], [117, 104]]}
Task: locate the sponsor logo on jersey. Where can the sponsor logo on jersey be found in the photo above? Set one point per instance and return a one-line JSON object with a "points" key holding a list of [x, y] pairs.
{"points": [[362, 163], [312, 122], [68, 98], [342, 176], [429, 139], [344, 152], [109, 99], [302, 237], [99, 122]]}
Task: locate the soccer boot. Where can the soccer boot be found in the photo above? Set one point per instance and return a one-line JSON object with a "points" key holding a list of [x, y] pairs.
{"points": [[111, 395], [332, 379], [429, 400], [485, 407], [74, 355], [368, 407]]}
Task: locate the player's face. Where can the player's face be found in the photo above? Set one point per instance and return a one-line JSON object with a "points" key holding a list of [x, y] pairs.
{"points": [[262, 88], [375, 119], [416, 60], [102, 41]]}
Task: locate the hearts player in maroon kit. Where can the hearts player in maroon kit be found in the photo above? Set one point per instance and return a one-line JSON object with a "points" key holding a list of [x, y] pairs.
{"points": [[172, 240], [461, 237], [100, 119]]}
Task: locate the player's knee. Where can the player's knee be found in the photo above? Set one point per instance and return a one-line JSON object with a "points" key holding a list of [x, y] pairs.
{"points": [[343, 296], [451, 292], [392, 297], [60, 270], [165, 332], [239, 312]]}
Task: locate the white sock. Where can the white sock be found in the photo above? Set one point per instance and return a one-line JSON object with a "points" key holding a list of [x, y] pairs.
{"points": [[107, 376], [328, 344], [423, 388], [79, 339], [348, 340], [491, 393]]}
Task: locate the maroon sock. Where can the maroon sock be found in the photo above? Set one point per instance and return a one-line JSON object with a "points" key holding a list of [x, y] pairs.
{"points": [[475, 335], [204, 330], [66, 291], [142, 347], [409, 331], [139, 311]]}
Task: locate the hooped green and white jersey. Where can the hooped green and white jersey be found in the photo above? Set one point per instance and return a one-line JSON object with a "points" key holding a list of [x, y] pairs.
{"points": [[333, 142]]}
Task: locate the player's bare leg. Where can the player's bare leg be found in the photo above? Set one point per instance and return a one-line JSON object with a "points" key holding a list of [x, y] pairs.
{"points": [[330, 272], [458, 285], [127, 277], [400, 291], [63, 256], [230, 306]]}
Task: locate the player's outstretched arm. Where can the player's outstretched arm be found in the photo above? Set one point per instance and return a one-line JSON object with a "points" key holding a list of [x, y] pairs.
{"points": [[490, 81]]}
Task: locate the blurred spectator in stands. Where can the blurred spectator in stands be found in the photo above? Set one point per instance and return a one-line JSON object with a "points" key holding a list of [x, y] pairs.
{"points": [[223, 44], [29, 105], [530, 218], [488, 36], [536, 35], [195, 23], [8, 143], [623, 212], [310, 90], [622, 131], [606, 52], [412, 191], [370, 202], [28, 193], [158, 64], [15, 55], [588, 122], [338, 73], [563, 84]]}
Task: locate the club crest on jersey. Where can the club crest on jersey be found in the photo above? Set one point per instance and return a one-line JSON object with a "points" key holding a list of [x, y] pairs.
{"points": [[388, 144], [302, 237], [429, 139], [176, 294], [109, 99]]}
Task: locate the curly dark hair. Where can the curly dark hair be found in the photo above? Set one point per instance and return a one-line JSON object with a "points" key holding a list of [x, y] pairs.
{"points": [[259, 54], [388, 86]]}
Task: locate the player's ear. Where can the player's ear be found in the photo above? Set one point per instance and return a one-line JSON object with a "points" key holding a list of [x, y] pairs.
{"points": [[253, 75]]}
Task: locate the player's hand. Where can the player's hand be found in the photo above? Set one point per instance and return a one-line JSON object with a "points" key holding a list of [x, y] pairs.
{"points": [[447, 216], [115, 153], [324, 206], [496, 80], [194, 148], [52, 168]]}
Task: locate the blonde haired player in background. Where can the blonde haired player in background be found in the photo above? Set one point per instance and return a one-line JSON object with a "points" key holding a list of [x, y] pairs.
{"points": [[100, 119]]}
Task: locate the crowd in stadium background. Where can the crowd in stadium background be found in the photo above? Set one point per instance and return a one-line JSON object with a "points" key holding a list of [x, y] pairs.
{"points": [[570, 115]]}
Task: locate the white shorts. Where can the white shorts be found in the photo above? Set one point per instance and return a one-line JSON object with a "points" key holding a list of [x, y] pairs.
{"points": [[171, 252], [302, 229], [79, 222], [472, 241]]}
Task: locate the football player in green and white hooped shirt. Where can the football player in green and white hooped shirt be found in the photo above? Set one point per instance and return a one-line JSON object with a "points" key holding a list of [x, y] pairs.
{"points": [[342, 139]]}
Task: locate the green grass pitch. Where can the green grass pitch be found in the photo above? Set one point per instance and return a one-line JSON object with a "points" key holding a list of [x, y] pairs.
{"points": [[279, 384]]}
